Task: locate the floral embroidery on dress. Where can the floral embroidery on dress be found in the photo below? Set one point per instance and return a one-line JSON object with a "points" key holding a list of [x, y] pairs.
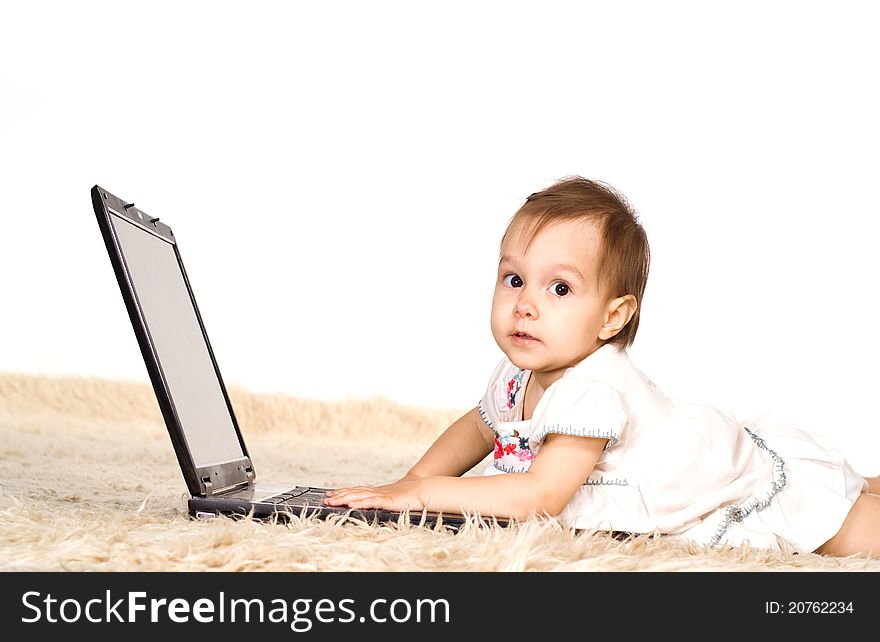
{"points": [[513, 387], [510, 444]]}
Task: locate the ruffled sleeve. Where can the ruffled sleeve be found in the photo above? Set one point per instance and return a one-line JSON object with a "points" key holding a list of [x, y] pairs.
{"points": [[580, 407], [503, 396]]}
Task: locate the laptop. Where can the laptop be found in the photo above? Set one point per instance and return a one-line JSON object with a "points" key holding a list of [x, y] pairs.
{"points": [[219, 473]]}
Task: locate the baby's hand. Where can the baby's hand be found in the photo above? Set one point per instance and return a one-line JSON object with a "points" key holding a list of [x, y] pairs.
{"points": [[398, 496]]}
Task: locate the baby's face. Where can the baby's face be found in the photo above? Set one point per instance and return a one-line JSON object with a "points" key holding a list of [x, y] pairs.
{"points": [[548, 308]]}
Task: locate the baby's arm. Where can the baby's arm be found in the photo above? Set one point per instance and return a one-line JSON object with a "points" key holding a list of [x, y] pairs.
{"points": [[461, 447], [554, 476]]}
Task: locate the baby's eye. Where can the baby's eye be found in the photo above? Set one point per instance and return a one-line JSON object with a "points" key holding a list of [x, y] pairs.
{"points": [[513, 281], [560, 289]]}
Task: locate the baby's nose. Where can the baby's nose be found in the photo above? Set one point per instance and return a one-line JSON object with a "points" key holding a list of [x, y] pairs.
{"points": [[525, 308]]}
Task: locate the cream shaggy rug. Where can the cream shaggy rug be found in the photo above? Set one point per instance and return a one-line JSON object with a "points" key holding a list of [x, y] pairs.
{"points": [[89, 482]]}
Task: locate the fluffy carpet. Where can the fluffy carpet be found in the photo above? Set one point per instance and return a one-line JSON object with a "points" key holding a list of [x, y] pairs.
{"points": [[89, 482]]}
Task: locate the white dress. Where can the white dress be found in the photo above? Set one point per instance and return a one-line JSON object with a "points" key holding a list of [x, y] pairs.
{"points": [[682, 469]]}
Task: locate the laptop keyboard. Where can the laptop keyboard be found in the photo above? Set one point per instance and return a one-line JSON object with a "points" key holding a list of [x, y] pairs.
{"points": [[298, 496]]}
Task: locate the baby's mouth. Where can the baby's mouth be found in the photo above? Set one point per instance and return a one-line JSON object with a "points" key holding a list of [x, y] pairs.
{"points": [[524, 335]]}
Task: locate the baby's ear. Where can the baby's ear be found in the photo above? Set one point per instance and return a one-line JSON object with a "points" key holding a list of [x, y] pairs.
{"points": [[618, 314]]}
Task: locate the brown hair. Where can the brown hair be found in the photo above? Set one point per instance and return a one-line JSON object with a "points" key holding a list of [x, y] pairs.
{"points": [[624, 255]]}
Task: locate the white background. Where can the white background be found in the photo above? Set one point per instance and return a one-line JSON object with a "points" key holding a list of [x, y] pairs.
{"points": [[338, 176]]}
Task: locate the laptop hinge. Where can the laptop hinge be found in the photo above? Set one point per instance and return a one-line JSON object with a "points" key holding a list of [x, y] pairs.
{"points": [[220, 478], [210, 490]]}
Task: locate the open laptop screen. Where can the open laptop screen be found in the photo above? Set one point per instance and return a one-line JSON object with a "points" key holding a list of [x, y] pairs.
{"points": [[178, 342]]}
